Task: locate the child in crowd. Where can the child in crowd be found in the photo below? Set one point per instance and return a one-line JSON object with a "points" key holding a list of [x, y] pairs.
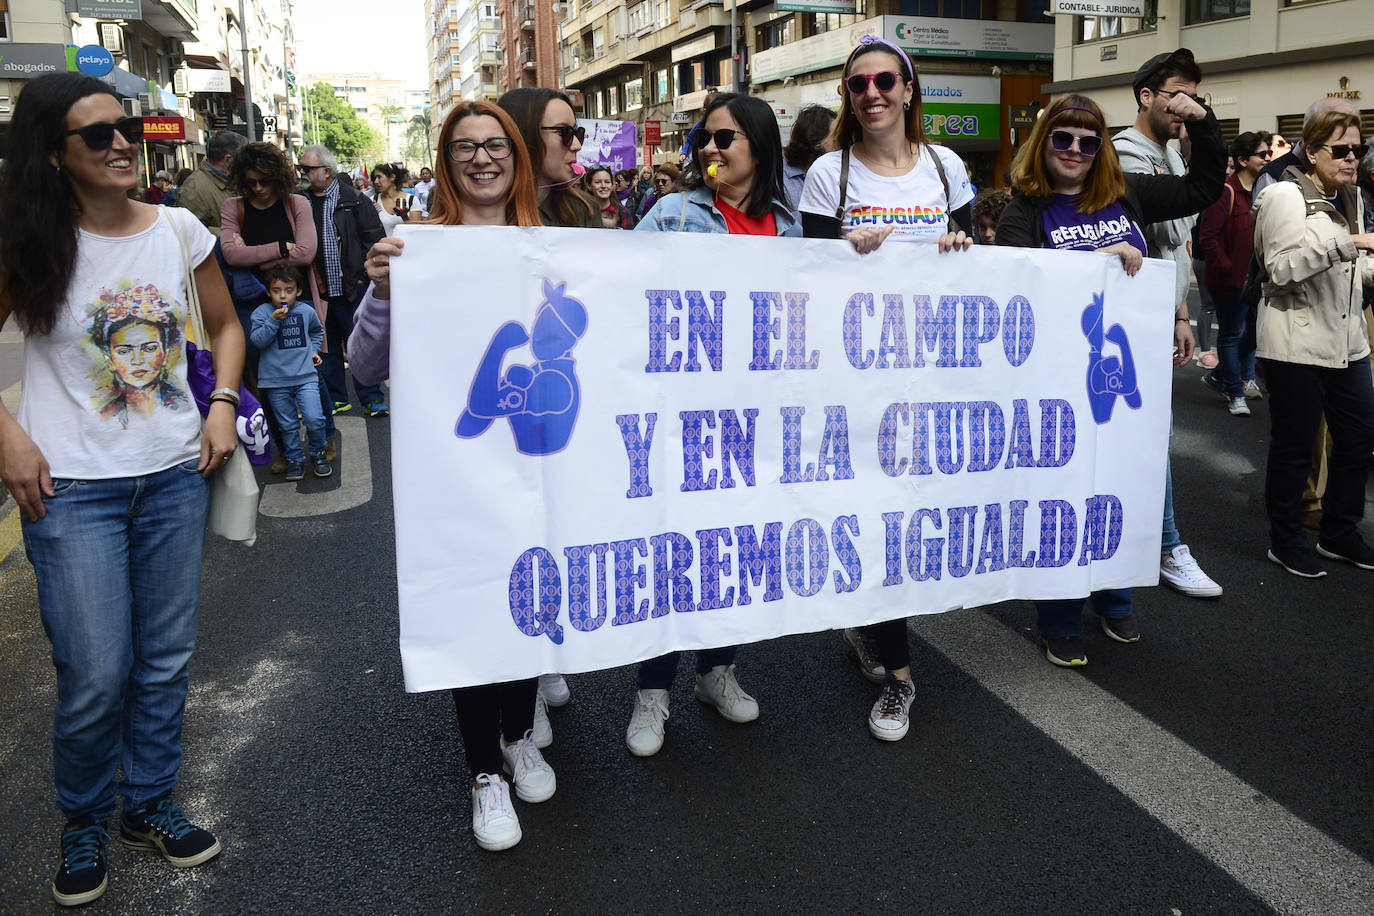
{"points": [[987, 210], [289, 335]]}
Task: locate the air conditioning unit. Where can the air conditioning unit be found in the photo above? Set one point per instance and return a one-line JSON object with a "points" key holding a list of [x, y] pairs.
{"points": [[112, 37], [132, 108], [145, 101], [179, 83]]}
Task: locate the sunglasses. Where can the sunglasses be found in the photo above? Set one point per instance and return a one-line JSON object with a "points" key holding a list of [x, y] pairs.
{"points": [[464, 150], [257, 183], [658, 181], [1342, 150], [885, 80], [724, 137], [1062, 141], [100, 135], [307, 169], [567, 133]]}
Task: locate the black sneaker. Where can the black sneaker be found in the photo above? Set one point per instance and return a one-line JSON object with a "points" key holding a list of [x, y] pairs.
{"points": [[1299, 559], [1121, 629], [321, 466], [161, 826], [1356, 552], [81, 876], [1066, 652]]}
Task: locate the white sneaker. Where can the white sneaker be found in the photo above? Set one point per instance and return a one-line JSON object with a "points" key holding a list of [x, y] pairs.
{"points": [[554, 689], [1180, 571], [889, 718], [644, 737], [864, 650], [532, 776], [719, 688], [543, 731], [1238, 407], [1252, 389], [494, 824]]}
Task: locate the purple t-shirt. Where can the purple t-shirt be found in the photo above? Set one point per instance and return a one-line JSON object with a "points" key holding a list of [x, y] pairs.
{"points": [[1066, 228]]}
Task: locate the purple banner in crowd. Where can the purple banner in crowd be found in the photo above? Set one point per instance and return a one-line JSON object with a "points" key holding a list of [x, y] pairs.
{"points": [[609, 143]]}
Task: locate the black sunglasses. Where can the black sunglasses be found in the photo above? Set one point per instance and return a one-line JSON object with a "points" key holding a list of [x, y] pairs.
{"points": [[885, 80], [307, 169], [100, 135], [724, 137], [1063, 141], [464, 150], [567, 132], [1342, 150]]}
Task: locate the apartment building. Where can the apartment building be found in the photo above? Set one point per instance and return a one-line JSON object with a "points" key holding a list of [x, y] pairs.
{"points": [[529, 44], [1263, 61], [385, 105]]}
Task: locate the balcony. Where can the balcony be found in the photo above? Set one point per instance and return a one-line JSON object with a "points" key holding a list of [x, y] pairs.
{"points": [[527, 17], [527, 59]]}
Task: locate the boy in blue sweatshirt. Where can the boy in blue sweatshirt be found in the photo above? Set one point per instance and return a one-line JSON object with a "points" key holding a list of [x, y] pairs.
{"points": [[289, 335]]}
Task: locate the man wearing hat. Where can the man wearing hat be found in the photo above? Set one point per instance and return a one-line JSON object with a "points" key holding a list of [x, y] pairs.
{"points": [[1144, 148]]}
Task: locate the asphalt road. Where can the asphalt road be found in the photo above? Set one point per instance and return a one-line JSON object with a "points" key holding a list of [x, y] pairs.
{"points": [[1222, 765]]}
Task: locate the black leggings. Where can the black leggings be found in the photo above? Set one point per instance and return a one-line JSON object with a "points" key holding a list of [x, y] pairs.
{"points": [[890, 635], [484, 712]]}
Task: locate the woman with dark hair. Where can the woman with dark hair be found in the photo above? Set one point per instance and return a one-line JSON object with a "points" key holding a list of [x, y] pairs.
{"points": [[885, 179], [389, 197], [1070, 193], [109, 461], [549, 128], [806, 144], [484, 178], [601, 186], [739, 156], [663, 181]]}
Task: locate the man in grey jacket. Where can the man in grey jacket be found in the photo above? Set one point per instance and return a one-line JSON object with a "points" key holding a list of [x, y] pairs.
{"points": [[1144, 148]]}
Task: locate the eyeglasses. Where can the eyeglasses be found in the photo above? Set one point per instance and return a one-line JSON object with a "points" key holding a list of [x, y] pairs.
{"points": [[1062, 141], [307, 169], [100, 135], [464, 150], [724, 137], [1343, 150], [567, 133], [1170, 93], [885, 80]]}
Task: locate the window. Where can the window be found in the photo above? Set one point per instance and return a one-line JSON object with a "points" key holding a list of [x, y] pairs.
{"points": [[454, 61], [452, 34], [641, 17], [596, 104], [777, 33], [488, 41], [1212, 10], [661, 88], [612, 107], [829, 22], [598, 43], [5, 30], [948, 9], [488, 10], [1093, 28], [634, 94]]}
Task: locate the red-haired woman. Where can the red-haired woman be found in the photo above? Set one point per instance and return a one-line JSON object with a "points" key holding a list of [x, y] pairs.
{"points": [[1069, 192], [484, 178]]}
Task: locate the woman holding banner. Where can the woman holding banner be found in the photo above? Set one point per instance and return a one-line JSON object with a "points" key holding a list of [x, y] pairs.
{"points": [[885, 179], [484, 178], [738, 152], [1066, 178]]}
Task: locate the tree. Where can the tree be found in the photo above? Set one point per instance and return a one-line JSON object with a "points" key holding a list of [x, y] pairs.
{"points": [[417, 149], [390, 112], [332, 123]]}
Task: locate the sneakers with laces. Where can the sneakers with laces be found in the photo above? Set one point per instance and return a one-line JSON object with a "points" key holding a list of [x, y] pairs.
{"points": [[1180, 571], [543, 730], [719, 688], [1252, 389], [1356, 553], [864, 650], [532, 777], [494, 823], [1298, 559], [1237, 407], [1066, 652], [1121, 629], [889, 718], [1211, 381], [81, 875], [644, 737], [554, 689], [161, 826]]}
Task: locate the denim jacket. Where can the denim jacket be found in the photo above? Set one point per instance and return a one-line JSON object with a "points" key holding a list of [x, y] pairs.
{"points": [[695, 211]]}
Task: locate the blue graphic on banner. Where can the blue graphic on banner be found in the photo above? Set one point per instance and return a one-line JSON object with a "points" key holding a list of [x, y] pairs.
{"points": [[1110, 377], [539, 401]]}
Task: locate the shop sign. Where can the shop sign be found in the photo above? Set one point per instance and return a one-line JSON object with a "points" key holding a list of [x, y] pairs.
{"points": [[1023, 117], [110, 9], [817, 6], [681, 117], [25, 61], [703, 45], [653, 133], [164, 128], [1345, 92], [1107, 52], [819, 52], [961, 107], [93, 60], [981, 38], [1133, 8], [206, 80]]}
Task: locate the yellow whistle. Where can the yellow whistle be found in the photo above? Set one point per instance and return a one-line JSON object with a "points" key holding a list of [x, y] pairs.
{"points": [[712, 169]]}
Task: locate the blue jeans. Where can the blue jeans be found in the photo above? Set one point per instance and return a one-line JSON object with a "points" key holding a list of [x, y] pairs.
{"points": [[1169, 536], [1064, 617], [658, 673], [306, 396], [1235, 343], [118, 567], [338, 324]]}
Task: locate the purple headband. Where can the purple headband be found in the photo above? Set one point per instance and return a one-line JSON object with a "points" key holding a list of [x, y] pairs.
{"points": [[870, 40], [1080, 108]]}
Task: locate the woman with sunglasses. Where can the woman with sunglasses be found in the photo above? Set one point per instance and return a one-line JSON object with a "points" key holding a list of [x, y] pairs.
{"points": [[884, 179], [1314, 342], [1069, 192], [662, 181], [484, 178], [738, 153], [114, 502], [551, 134]]}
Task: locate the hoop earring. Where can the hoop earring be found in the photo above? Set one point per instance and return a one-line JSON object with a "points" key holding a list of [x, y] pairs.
{"points": [[906, 106]]}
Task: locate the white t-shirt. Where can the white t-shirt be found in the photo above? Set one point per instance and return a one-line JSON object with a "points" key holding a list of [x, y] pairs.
{"points": [[422, 193], [913, 204], [105, 393]]}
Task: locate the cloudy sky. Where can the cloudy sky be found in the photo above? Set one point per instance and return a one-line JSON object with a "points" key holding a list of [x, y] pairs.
{"points": [[354, 36]]}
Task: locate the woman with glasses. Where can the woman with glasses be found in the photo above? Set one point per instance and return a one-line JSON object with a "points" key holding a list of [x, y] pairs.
{"points": [[109, 461], [738, 153], [551, 134], [1070, 193], [884, 179], [1314, 342], [484, 178]]}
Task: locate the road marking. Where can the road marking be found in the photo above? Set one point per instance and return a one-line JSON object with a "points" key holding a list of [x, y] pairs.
{"points": [[1273, 853], [281, 499]]}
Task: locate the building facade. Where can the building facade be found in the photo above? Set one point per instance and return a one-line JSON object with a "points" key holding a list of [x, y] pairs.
{"points": [[384, 105], [528, 49]]}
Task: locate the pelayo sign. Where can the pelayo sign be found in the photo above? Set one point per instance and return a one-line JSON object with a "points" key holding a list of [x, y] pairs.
{"points": [[728, 439]]}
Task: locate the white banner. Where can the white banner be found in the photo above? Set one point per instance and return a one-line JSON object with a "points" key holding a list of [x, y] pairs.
{"points": [[609, 445], [1132, 8]]}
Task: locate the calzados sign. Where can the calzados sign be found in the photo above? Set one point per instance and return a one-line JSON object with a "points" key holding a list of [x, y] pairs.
{"points": [[725, 439]]}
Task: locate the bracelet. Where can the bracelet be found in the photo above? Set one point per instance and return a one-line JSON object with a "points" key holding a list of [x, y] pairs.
{"points": [[1182, 319], [229, 393], [224, 400]]}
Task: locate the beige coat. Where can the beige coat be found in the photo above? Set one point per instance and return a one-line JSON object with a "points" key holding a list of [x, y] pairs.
{"points": [[1312, 310]]}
